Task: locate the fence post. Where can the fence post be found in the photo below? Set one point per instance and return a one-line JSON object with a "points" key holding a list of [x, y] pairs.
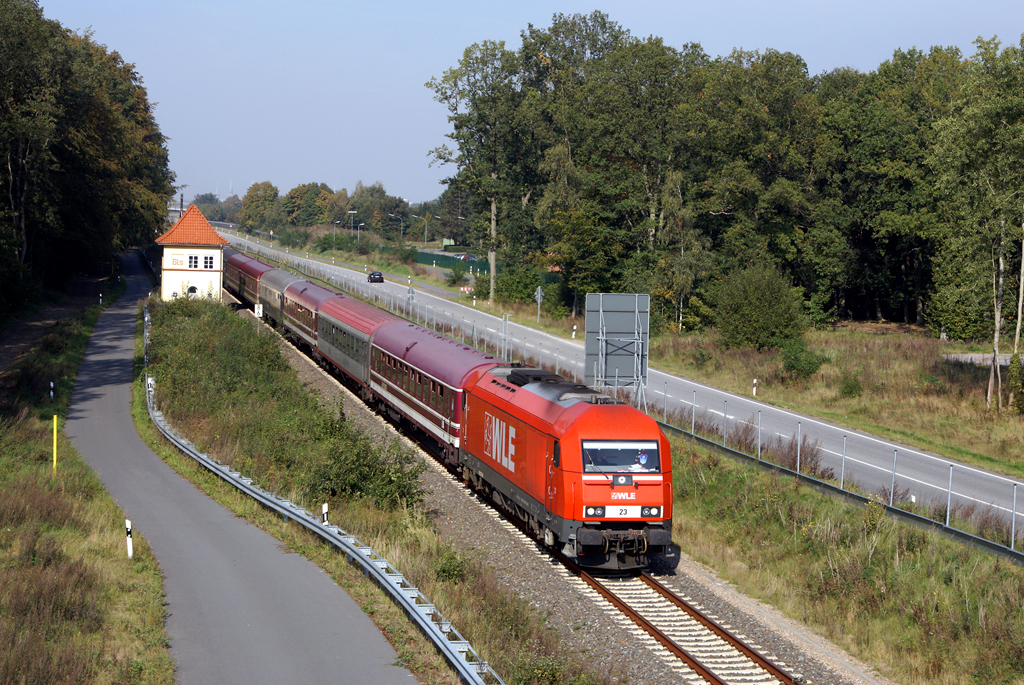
{"points": [[725, 421], [798, 441], [949, 496], [892, 486], [1013, 517], [842, 474]]}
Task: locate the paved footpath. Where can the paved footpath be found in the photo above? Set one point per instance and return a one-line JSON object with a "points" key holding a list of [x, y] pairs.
{"points": [[241, 610]]}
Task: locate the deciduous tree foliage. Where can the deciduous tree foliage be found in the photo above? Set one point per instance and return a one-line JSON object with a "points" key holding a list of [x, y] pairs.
{"points": [[625, 164], [84, 163]]}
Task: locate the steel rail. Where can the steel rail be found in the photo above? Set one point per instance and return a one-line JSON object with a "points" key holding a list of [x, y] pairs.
{"points": [[648, 627], [717, 629], [455, 648]]}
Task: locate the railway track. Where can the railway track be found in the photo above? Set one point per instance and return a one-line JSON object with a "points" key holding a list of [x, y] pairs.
{"points": [[692, 644], [706, 651]]}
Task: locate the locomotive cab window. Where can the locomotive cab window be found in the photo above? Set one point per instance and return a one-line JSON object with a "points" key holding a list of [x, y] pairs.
{"points": [[615, 456]]}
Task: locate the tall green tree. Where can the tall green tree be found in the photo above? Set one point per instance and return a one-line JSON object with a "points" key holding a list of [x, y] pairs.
{"points": [[86, 165], [980, 152], [482, 95], [257, 204]]}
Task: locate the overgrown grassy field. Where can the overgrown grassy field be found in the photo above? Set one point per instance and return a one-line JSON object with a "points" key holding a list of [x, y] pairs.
{"points": [[895, 385], [920, 608], [243, 404], [73, 608]]}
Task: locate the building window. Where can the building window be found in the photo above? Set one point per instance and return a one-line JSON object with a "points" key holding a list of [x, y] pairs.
{"points": [[193, 261], [208, 262]]}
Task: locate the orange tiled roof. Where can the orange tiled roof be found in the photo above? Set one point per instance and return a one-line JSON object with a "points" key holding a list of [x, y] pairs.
{"points": [[191, 229]]}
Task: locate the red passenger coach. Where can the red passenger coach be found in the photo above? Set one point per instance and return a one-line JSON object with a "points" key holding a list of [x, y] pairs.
{"points": [[592, 475], [420, 375], [302, 301], [242, 276]]}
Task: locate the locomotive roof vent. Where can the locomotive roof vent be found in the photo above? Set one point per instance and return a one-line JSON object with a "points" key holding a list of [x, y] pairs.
{"points": [[523, 376], [593, 397]]}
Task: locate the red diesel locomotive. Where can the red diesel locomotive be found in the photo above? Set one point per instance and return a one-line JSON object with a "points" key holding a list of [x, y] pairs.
{"points": [[588, 474]]}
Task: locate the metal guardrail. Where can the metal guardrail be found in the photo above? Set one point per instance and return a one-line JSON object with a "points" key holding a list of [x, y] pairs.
{"points": [[452, 645], [923, 521]]}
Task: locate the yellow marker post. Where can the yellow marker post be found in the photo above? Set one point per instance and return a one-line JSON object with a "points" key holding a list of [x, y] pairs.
{"points": [[55, 444]]}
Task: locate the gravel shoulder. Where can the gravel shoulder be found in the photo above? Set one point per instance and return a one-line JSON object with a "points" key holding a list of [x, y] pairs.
{"points": [[601, 637]]}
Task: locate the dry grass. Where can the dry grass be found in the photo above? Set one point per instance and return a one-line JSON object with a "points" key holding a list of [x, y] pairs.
{"points": [[920, 608], [73, 607], [893, 385]]}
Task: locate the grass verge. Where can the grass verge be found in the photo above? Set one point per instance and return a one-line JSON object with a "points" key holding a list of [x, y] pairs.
{"points": [[73, 607], [919, 607]]}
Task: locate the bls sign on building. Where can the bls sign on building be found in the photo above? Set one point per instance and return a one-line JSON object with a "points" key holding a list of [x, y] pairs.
{"points": [[193, 263]]}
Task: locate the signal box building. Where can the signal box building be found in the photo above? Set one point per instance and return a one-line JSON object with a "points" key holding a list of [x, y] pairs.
{"points": [[193, 260]]}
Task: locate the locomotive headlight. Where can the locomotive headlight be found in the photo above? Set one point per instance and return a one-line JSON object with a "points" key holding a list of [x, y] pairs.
{"points": [[655, 511], [594, 511], [649, 511], [590, 511]]}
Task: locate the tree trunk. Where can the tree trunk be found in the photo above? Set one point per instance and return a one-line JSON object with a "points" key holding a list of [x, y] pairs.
{"points": [[995, 377], [1016, 335], [492, 254], [1020, 291]]}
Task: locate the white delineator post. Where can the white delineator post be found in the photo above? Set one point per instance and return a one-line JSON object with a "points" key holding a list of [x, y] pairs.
{"points": [[128, 533], [324, 510]]}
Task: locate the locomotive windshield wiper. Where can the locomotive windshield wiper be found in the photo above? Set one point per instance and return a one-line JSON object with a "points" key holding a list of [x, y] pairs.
{"points": [[591, 460]]}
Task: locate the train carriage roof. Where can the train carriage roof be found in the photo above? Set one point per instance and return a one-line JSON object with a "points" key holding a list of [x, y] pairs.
{"points": [[279, 279], [309, 295], [248, 265], [448, 360], [361, 316]]}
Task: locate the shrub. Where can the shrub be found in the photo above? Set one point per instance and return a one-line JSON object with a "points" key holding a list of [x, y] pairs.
{"points": [[517, 284], [450, 567], [457, 276], [850, 385], [1015, 382], [799, 361], [758, 307]]}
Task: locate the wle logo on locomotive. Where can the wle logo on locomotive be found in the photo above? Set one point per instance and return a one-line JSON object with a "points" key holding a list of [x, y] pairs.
{"points": [[499, 442]]}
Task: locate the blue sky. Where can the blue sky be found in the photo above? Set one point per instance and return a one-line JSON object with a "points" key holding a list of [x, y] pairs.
{"points": [[333, 92]]}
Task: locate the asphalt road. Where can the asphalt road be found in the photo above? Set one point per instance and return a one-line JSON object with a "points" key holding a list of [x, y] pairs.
{"points": [[852, 455], [241, 609]]}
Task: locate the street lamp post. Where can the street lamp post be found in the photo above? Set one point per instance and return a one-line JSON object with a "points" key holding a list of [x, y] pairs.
{"points": [[424, 230], [401, 226], [357, 231], [334, 245], [352, 221]]}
